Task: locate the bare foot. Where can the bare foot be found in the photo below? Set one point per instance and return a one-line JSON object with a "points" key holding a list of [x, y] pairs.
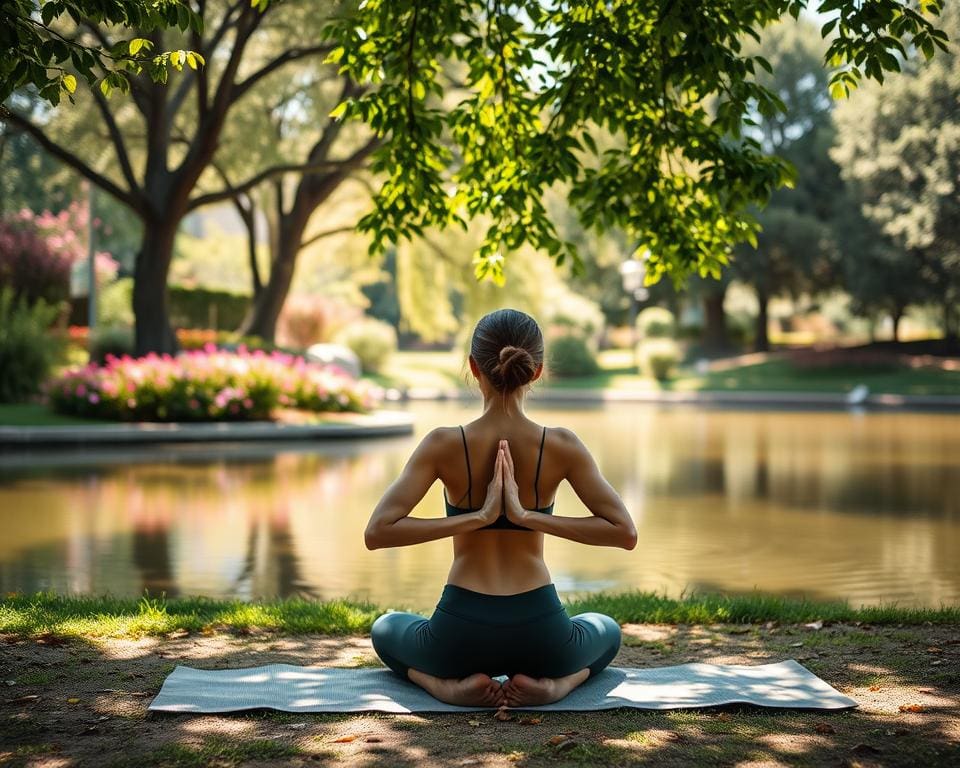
{"points": [[525, 691], [477, 690]]}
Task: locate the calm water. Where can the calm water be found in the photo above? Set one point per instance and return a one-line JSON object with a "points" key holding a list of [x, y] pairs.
{"points": [[858, 506]]}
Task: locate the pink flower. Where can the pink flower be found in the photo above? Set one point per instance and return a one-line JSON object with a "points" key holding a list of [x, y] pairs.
{"points": [[94, 398]]}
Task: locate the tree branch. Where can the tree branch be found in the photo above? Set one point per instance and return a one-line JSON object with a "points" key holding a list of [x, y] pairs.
{"points": [[264, 175], [124, 196], [293, 54], [119, 145], [326, 233]]}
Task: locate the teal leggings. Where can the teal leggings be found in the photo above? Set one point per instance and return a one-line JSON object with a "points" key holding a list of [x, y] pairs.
{"points": [[528, 633]]}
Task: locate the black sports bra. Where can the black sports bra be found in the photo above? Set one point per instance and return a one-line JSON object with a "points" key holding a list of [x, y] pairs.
{"points": [[503, 521]]}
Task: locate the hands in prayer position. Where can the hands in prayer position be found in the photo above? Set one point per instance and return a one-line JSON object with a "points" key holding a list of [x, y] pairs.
{"points": [[503, 493]]}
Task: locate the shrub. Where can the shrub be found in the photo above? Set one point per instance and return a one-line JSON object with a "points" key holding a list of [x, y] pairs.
{"points": [[37, 252], [205, 308], [115, 303], [208, 385], [27, 348], [307, 320], [373, 341], [571, 356], [110, 340], [656, 323], [661, 358]]}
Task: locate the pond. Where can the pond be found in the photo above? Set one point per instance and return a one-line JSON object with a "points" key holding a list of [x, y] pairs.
{"points": [[857, 506]]}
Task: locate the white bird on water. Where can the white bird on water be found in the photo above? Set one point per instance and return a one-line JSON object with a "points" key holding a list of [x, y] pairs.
{"points": [[858, 395]]}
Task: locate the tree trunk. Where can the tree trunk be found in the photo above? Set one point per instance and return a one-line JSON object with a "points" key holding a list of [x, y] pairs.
{"points": [[715, 321], [761, 342], [265, 309], [950, 315], [150, 304], [896, 316]]}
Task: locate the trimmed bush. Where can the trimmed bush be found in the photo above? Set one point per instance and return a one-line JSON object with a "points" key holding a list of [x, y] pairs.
{"points": [[656, 323], [373, 341], [203, 308], [115, 304], [661, 358], [105, 341], [27, 348], [208, 385], [571, 356]]}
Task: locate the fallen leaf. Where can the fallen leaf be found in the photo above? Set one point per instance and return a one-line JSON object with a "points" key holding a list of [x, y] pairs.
{"points": [[23, 699], [875, 688], [50, 639], [373, 739], [558, 739], [724, 716], [177, 634], [824, 728], [770, 625], [344, 739], [912, 708], [469, 761], [935, 662], [502, 715], [474, 723], [73, 700], [297, 726], [818, 624], [865, 749], [530, 720], [796, 645], [934, 649]]}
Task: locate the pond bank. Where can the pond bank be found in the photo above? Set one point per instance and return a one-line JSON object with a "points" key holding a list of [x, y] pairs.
{"points": [[340, 426], [83, 701]]}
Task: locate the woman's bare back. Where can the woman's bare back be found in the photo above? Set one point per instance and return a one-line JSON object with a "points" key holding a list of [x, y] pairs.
{"points": [[501, 561]]}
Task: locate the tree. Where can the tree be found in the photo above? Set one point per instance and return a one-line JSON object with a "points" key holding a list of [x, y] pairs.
{"points": [[899, 148], [795, 251], [36, 52], [167, 138], [543, 77]]}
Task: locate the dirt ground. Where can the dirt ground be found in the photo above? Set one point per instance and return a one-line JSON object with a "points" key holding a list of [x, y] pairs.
{"points": [[85, 703]]}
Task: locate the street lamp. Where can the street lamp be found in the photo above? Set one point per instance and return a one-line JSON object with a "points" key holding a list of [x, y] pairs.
{"points": [[632, 272]]}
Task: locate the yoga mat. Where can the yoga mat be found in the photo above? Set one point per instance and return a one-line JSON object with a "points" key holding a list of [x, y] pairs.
{"points": [[330, 689]]}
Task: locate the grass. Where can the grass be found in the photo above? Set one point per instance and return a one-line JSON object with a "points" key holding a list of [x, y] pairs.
{"points": [[443, 370], [215, 751], [89, 617], [37, 415]]}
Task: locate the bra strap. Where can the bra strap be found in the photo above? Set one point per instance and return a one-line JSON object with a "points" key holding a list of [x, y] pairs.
{"points": [[536, 480], [466, 454]]}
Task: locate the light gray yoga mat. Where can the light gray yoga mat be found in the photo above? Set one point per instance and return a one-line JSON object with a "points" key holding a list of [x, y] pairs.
{"points": [[330, 689]]}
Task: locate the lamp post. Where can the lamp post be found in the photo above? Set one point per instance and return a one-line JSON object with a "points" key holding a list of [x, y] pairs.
{"points": [[632, 272]]}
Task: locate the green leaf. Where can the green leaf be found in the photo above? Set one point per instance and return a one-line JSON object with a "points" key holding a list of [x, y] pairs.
{"points": [[69, 83]]}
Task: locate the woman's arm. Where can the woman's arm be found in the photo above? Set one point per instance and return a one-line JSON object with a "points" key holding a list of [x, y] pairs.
{"points": [[610, 524], [390, 525]]}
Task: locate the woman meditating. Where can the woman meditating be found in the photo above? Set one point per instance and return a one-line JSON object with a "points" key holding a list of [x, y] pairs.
{"points": [[499, 613]]}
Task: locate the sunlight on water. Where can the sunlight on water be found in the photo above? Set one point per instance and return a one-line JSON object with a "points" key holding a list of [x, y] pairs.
{"points": [[864, 507]]}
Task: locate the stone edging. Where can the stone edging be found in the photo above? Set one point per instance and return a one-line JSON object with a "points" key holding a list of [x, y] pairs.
{"points": [[713, 397], [377, 424]]}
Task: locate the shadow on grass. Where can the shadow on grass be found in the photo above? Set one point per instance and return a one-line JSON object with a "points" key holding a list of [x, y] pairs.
{"points": [[93, 697]]}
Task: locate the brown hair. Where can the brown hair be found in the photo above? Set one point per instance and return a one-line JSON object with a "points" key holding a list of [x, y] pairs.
{"points": [[508, 347]]}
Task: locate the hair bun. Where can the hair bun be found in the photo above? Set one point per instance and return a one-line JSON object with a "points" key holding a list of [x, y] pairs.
{"points": [[516, 366]]}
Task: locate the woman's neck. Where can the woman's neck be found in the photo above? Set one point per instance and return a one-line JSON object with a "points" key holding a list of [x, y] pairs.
{"points": [[496, 405]]}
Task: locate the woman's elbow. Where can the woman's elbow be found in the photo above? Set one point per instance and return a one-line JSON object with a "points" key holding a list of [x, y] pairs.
{"points": [[629, 540], [372, 537]]}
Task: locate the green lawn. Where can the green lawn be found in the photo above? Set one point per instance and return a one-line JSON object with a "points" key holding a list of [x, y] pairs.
{"points": [[106, 616], [37, 415], [443, 370]]}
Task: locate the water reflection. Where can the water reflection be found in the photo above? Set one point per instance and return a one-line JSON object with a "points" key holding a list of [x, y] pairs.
{"points": [[856, 506]]}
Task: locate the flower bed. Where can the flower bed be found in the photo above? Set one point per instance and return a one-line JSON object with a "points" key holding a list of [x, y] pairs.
{"points": [[207, 385]]}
